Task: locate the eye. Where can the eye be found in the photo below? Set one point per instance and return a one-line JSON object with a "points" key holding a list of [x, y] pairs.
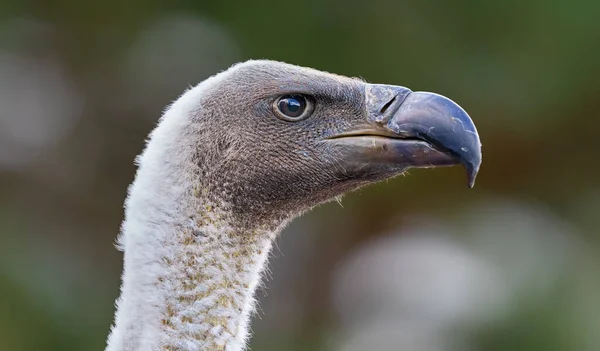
{"points": [[293, 107]]}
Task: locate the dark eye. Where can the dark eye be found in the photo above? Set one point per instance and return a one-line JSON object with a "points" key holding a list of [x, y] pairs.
{"points": [[293, 107]]}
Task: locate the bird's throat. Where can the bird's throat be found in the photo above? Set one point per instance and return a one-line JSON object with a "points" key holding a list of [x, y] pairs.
{"points": [[212, 279], [194, 288]]}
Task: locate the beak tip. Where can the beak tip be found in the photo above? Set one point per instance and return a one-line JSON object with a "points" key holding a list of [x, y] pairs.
{"points": [[472, 171], [471, 182]]}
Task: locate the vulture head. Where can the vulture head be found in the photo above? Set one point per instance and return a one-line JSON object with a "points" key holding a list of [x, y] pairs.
{"points": [[231, 162], [274, 139]]}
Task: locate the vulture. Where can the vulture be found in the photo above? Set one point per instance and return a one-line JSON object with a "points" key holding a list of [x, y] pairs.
{"points": [[236, 158]]}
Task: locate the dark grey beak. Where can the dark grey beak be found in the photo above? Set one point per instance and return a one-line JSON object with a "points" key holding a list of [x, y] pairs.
{"points": [[414, 129], [442, 123]]}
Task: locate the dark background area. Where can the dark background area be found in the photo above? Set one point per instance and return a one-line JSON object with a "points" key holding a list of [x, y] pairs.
{"points": [[417, 263]]}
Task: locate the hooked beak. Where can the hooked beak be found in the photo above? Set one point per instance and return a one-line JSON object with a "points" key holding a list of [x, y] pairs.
{"points": [[408, 129]]}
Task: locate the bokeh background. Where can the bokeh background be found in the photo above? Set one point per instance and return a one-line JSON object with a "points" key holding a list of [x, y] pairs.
{"points": [[417, 263]]}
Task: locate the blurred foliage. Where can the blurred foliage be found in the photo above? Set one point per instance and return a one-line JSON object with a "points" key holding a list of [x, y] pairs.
{"points": [[525, 70]]}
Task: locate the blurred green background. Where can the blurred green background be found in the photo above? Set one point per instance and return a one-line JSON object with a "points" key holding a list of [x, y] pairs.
{"points": [[417, 263]]}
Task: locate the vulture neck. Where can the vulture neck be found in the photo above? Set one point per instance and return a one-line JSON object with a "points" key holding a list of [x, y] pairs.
{"points": [[189, 275], [189, 285]]}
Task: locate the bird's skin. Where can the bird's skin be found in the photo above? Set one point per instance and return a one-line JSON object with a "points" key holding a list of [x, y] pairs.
{"points": [[231, 162]]}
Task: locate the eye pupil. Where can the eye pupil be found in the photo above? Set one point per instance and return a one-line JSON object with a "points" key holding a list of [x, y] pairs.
{"points": [[292, 106]]}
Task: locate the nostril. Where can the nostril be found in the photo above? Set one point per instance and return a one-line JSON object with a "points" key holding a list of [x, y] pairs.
{"points": [[382, 101], [388, 104]]}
